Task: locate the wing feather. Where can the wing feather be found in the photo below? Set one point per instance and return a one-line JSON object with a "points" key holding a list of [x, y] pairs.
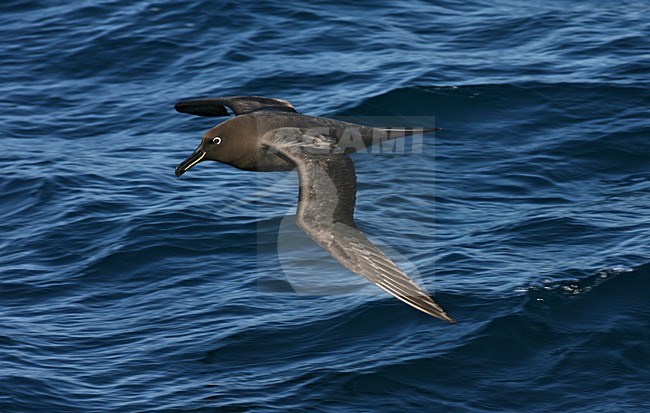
{"points": [[326, 213], [240, 105]]}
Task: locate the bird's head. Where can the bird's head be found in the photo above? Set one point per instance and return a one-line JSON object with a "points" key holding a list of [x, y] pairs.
{"points": [[215, 146]]}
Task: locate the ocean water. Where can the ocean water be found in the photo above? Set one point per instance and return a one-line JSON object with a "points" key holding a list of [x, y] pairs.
{"points": [[527, 217]]}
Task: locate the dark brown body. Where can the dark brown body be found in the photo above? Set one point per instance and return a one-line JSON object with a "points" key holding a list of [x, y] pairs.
{"points": [[269, 135], [250, 129]]}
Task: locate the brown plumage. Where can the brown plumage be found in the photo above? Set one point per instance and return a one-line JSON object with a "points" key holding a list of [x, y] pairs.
{"points": [[270, 135]]}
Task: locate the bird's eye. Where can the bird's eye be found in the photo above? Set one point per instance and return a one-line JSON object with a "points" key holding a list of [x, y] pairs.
{"points": [[216, 140]]}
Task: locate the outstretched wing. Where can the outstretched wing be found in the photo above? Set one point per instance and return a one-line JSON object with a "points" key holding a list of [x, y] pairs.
{"points": [[239, 105], [326, 213]]}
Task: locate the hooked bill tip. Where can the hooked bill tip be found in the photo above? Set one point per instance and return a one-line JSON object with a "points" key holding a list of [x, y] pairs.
{"points": [[192, 160]]}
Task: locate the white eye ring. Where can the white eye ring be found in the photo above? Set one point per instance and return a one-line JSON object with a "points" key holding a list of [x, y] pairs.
{"points": [[216, 140]]}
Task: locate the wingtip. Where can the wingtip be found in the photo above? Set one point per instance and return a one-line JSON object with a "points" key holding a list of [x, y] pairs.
{"points": [[201, 107], [449, 318], [442, 316], [436, 311]]}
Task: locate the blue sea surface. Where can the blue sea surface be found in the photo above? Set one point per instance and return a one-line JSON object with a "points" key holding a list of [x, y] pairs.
{"points": [[527, 217]]}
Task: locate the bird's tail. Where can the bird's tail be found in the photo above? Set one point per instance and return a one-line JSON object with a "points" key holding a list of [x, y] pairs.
{"points": [[373, 136], [400, 132]]}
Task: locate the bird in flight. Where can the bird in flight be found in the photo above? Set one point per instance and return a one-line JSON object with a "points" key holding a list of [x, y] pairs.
{"points": [[269, 134]]}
